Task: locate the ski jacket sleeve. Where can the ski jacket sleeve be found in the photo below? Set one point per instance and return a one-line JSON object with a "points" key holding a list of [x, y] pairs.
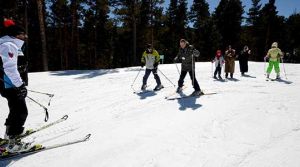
{"points": [[196, 53], [9, 55], [156, 55], [143, 60]]}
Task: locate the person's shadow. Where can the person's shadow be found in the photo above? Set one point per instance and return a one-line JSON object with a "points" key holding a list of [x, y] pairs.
{"points": [[283, 81], [233, 79], [144, 95], [248, 76], [189, 102]]}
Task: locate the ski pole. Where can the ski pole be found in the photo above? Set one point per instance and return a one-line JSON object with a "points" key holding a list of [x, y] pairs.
{"points": [[212, 69], [283, 68], [136, 78], [45, 108], [166, 77], [177, 68], [48, 94], [265, 61]]}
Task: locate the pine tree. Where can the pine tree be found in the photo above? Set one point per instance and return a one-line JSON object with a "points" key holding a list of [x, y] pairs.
{"points": [[252, 30], [228, 17], [253, 14], [200, 16]]}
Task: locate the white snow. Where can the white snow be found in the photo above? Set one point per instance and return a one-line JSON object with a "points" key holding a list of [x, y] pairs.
{"points": [[249, 123]]}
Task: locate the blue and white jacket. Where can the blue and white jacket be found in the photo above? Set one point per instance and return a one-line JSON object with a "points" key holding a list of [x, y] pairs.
{"points": [[10, 49]]}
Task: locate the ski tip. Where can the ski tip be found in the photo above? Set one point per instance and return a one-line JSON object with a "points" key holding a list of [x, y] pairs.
{"points": [[87, 137], [65, 117]]}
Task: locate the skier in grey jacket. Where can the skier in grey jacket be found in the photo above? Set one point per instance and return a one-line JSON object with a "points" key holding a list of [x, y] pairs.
{"points": [[186, 56]]}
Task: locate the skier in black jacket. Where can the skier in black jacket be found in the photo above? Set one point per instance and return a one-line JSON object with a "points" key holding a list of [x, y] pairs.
{"points": [[186, 56]]}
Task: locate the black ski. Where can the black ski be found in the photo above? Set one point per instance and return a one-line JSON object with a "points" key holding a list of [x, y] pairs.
{"points": [[38, 148]]}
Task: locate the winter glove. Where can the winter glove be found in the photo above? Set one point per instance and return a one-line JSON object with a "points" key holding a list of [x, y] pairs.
{"points": [[21, 91], [175, 59], [155, 65], [142, 65]]}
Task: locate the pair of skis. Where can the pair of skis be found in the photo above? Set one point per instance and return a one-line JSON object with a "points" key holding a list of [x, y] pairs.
{"points": [[147, 91], [189, 96], [170, 96], [37, 147]]}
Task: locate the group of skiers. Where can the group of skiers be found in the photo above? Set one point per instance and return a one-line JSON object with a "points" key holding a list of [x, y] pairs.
{"points": [[13, 80], [186, 56], [229, 61]]}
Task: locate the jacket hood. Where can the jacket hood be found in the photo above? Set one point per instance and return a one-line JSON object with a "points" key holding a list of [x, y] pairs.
{"points": [[15, 41]]}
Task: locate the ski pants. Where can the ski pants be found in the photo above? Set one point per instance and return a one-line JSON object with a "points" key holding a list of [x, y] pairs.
{"points": [[193, 78], [218, 70], [276, 66], [148, 72], [17, 113]]}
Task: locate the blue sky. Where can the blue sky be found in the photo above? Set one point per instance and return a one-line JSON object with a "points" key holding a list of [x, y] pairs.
{"points": [[284, 7]]}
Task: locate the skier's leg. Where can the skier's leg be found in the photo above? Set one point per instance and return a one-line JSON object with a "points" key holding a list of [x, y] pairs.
{"points": [[219, 72], [156, 77], [215, 73], [145, 78], [181, 78], [269, 69], [277, 69], [17, 114], [196, 85]]}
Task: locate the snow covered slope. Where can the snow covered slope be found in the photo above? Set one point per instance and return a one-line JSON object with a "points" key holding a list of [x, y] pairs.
{"points": [[249, 123]]}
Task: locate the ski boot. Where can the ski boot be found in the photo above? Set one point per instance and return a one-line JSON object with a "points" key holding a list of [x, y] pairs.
{"points": [[215, 77], [278, 76], [179, 90], [197, 93], [231, 75], [158, 87], [143, 87], [226, 75], [16, 145], [220, 77]]}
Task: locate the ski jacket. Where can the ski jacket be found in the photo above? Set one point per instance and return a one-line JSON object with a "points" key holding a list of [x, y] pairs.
{"points": [[229, 59], [10, 49], [274, 54], [186, 57], [218, 61], [150, 59]]}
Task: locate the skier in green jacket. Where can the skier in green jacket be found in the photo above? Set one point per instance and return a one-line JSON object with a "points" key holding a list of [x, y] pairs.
{"points": [[274, 55]]}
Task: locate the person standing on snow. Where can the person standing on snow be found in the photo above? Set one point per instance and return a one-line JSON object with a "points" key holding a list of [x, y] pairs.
{"points": [[12, 87], [229, 61], [151, 59], [243, 60], [219, 61], [274, 55], [186, 56]]}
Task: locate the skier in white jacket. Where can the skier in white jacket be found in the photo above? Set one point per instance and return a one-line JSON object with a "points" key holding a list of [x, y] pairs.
{"points": [[12, 86]]}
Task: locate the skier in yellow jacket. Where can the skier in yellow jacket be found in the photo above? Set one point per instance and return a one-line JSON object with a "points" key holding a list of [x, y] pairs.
{"points": [[274, 55], [151, 59]]}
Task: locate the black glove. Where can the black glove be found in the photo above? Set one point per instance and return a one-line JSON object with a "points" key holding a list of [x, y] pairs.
{"points": [[21, 91], [155, 65], [175, 60], [142, 65]]}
